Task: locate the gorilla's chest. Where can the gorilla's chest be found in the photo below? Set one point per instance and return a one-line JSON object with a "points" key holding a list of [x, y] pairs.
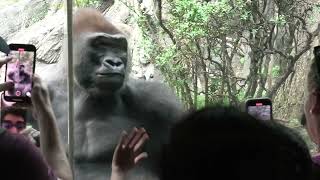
{"points": [[96, 137]]}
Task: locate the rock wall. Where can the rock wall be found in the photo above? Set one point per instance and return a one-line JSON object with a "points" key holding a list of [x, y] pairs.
{"points": [[42, 23]]}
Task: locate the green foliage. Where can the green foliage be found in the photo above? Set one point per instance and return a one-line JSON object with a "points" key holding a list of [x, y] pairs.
{"points": [[279, 20], [246, 15], [241, 95], [166, 57], [196, 38], [87, 3], [147, 44], [57, 5], [39, 14], [275, 71], [190, 22], [242, 60], [313, 17], [201, 101], [35, 12], [190, 17]]}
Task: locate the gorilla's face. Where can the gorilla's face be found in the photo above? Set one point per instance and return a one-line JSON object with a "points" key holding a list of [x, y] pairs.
{"points": [[101, 61]]}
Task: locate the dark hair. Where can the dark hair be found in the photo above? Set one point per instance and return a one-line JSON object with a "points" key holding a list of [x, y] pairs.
{"points": [[303, 119], [224, 142], [313, 80], [314, 71], [21, 160], [15, 111], [316, 53]]}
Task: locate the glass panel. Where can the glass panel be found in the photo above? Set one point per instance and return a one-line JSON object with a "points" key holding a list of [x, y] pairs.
{"points": [[145, 63]]}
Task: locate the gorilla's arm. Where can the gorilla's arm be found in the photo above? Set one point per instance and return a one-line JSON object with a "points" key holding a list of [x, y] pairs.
{"points": [[156, 99]]}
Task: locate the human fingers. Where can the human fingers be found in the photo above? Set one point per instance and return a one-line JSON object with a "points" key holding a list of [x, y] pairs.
{"points": [[36, 82], [141, 142], [138, 135], [130, 137], [119, 146], [37, 89], [123, 138], [141, 156], [5, 60], [6, 86]]}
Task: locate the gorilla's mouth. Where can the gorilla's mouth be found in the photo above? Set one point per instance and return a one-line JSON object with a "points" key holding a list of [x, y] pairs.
{"points": [[110, 74]]}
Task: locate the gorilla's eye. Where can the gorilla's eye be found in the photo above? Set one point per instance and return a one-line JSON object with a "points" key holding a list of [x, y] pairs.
{"points": [[99, 42]]}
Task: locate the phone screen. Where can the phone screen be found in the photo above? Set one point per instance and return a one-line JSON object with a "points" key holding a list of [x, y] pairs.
{"points": [[260, 108], [262, 112], [20, 71]]}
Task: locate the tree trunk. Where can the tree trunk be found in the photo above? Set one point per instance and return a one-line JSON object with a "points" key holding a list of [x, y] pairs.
{"points": [[195, 84]]}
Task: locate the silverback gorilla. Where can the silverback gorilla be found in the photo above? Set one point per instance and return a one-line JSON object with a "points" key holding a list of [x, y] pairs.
{"points": [[107, 101]]}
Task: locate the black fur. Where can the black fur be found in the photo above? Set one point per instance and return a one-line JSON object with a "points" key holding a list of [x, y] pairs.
{"points": [[104, 106]]}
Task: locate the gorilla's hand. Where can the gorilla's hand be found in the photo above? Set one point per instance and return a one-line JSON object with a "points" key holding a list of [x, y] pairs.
{"points": [[7, 85], [128, 152]]}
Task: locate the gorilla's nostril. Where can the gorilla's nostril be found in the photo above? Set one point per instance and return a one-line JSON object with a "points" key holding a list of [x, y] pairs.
{"points": [[113, 62], [118, 63]]}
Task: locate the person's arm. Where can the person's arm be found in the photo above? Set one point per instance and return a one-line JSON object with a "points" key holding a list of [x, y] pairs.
{"points": [[51, 146], [128, 153]]}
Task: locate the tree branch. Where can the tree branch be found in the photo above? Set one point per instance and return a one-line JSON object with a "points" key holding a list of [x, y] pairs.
{"points": [[159, 16]]}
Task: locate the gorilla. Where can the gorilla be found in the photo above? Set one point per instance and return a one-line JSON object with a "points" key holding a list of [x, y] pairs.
{"points": [[107, 101]]}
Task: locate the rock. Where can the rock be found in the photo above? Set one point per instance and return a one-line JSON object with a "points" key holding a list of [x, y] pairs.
{"points": [[12, 17], [46, 35]]}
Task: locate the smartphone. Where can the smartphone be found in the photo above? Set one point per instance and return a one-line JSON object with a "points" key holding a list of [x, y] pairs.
{"points": [[20, 71], [260, 108]]}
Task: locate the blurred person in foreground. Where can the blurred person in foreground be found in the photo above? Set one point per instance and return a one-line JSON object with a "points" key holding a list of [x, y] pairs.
{"points": [[311, 117], [224, 143]]}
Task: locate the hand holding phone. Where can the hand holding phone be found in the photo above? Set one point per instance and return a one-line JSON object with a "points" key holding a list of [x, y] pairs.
{"points": [[4, 46], [7, 85], [20, 71], [260, 108]]}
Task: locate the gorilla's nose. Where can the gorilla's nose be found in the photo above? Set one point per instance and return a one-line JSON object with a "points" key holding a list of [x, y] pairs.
{"points": [[114, 63]]}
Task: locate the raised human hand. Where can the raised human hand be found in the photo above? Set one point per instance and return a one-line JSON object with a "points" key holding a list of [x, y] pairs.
{"points": [[129, 151], [40, 94]]}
